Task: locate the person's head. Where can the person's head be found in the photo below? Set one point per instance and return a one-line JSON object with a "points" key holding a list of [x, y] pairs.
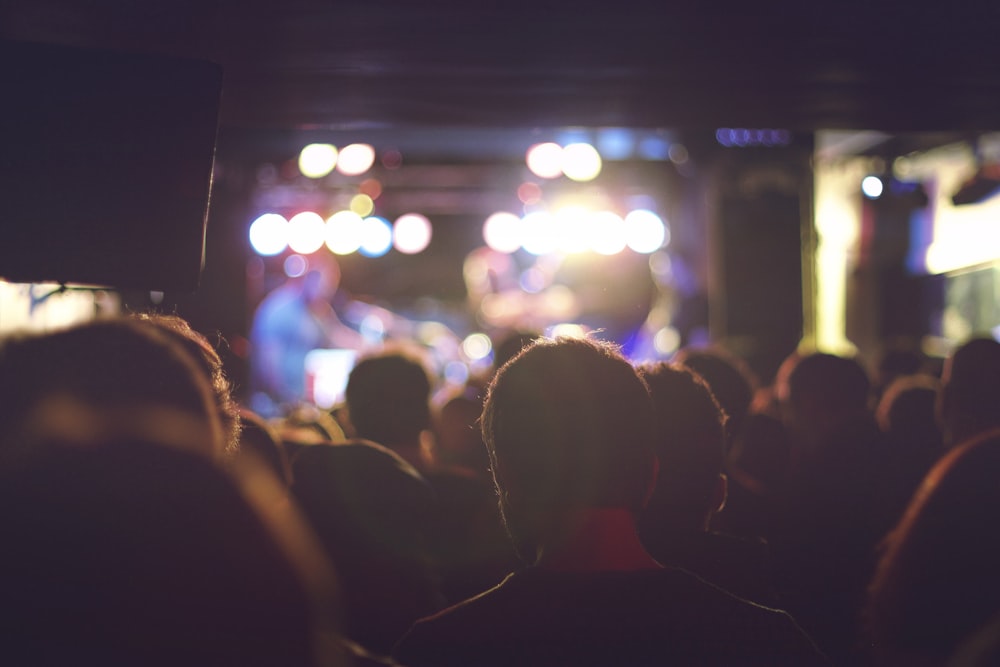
{"points": [[822, 393], [113, 376], [690, 445], [210, 363], [128, 552], [970, 391], [729, 378], [568, 424], [937, 580], [388, 398], [906, 411]]}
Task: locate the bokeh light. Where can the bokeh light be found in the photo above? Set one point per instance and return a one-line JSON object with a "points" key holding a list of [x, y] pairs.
{"points": [[568, 330], [477, 346], [872, 187], [392, 159], [295, 266], [529, 193], [355, 159], [376, 237], [317, 160], [539, 233], [411, 234], [608, 233], [574, 229], [362, 204], [645, 231], [581, 162], [666, 341], [371, 187], [269, 234], [343, 232], [306, 232], [545, 160], [502, 232]]}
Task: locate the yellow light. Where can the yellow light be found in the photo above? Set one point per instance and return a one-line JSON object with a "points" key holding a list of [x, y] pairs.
{"points": [[362, 205], [581, 162], [411, 234], [317, 160], [306, 232], [344, 231], [355, 159], [545, 160]]}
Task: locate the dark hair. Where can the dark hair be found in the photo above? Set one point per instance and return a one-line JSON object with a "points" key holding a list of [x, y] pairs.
{"points": [[690, 443], [568, 424], [970, 393], [839, 384], [728, 377], [388, 397]]}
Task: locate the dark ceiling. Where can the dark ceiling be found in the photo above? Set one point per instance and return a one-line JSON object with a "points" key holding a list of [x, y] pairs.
{"points": [[348, 64]]}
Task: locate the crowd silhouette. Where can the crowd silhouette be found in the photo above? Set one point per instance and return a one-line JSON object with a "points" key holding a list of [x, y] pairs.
{"points": [[569, 507]]}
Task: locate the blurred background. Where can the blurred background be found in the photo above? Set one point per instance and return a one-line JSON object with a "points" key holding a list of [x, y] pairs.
{"points": [[762, 176]]}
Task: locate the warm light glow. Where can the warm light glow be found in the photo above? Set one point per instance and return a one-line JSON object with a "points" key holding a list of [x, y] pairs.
{"points": [[477, 346], [371, 187], [568, 330], [355, 159], [666, 341], [872, 187], [269, 234], [581, 162], [539, 233], [502, 232], [362, 205], [529, 193], [376, 237], [645, 232], [608, 233], [545, 160], [344, 232], [411, 233], [317, 160], [574, 229], [306, 232]]}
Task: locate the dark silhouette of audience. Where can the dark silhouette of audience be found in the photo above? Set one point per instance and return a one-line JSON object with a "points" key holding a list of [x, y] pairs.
{"points": [[692, 488], [970, 391], [570, 430], [937, 587]]}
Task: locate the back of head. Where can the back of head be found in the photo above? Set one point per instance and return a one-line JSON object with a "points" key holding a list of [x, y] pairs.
{"points": [[970, 393], [568, 424], [906, 412], [388, 398], [823, 392], [121, 374], [133, 553], [690, 445], [729, 378], [937, 581]]}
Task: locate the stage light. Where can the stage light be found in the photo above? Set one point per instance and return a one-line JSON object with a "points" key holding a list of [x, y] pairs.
{"points": [[872, 187], [295, 266], [545, 160], [581, 162], [502, 232], [645, 232], [306, 232], [608, 233], [317, 160], [362, 205], [477, 346], [343, 232], [355, 159], [269, 234], [539, 234], [574, 229], [371, 187], [411, 234], [529, 193], [376, 237]]}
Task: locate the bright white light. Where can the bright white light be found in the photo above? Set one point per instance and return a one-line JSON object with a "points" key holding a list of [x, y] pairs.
{"points": [[317, 160], [545, 160], [502, 232], [411, 233], [666, 341], [343, 232], [376, 237], [645, 231], [568, 330], [608, 233], [355, 159], [574, 229], [581, 162], [872, 187], [306, 232], [269, 234], [539, 233], [476, 346]]}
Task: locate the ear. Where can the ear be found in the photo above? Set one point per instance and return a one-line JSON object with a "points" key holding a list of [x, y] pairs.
{"points": [[720, 493]]}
